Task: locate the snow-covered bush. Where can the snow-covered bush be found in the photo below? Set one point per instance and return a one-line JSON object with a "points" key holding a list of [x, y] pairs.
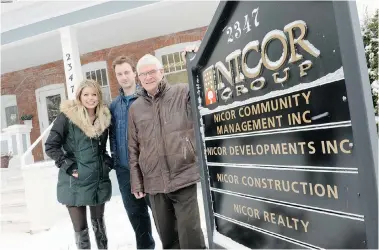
{"points": [[370, 40]]}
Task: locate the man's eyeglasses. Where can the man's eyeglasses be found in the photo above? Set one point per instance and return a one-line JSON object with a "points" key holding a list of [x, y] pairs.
{"points": [[150, 73]]}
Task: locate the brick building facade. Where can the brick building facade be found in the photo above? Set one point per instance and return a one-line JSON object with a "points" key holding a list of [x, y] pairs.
{"points": [[24, 83]]}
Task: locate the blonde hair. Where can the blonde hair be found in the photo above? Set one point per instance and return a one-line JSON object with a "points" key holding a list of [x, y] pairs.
{"points": [[148, 60], [83, 113]]}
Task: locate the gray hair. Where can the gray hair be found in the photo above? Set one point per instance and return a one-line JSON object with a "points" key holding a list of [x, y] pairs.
{"points": [[148, 60]]}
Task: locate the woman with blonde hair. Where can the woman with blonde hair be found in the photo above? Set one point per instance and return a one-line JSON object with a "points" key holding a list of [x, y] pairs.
{"points": [[83, 180]]}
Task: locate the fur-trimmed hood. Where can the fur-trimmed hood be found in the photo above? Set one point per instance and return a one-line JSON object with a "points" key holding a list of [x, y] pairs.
{"points": [[72, 110]]}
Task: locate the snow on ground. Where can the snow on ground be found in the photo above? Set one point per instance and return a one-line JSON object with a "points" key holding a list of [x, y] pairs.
{"points": [[61, 236]]}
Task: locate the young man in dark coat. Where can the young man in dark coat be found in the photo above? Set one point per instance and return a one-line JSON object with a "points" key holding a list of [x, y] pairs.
{"points": [[162, 156], [136, 209], [83, 180]]}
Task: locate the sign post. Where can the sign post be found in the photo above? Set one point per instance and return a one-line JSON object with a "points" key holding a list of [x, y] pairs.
{"points": [[285, 127]]}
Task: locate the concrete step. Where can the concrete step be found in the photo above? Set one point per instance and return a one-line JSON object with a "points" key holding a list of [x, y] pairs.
{"points": [[9, 173], [19, 226], [12, 195], [12, 181], [13, 201], [18, 184], [16, 207], [6, 190], [15, 179], [14, 217]]}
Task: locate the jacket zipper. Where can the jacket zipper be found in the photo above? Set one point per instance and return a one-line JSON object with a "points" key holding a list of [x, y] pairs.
{"points": [[160, 128], [100, 160], [123, 111], [98, 178], [92, 146]]}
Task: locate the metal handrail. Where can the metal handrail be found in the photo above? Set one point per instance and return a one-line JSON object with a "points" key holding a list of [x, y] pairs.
{"points": [[27, 152]]}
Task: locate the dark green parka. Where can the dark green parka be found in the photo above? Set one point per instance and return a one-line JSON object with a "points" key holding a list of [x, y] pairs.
{"points": [[84, 149]]}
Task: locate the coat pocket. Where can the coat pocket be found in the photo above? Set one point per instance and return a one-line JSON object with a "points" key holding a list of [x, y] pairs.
{"points": [[73, 183], [190, 145], [186, 157], [84, 173], [189, 156]]}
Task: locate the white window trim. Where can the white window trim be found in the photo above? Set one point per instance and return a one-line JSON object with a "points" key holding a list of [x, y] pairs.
{"points": [[93, 66], [48, 87], [172, 49], [7, 101]]}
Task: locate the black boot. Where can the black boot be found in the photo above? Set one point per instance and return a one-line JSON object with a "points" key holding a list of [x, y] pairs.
{"points": [[82, 239], [99, 229]]}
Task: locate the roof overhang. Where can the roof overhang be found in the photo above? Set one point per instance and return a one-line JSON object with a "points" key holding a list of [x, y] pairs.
{"points": [[147, 21]]}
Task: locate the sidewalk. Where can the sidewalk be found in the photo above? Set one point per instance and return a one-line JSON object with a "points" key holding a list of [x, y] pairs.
{"points": [[61, 235]]}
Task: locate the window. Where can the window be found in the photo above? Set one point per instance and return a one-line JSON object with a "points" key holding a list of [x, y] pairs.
{"points": [[98, 71], [174, 68], [53, 103], [10, 110], [11, 114], [171, 58]]}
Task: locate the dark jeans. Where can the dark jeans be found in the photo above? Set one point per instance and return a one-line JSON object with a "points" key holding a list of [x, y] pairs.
{"points": [[177, 219], [137, 210]]}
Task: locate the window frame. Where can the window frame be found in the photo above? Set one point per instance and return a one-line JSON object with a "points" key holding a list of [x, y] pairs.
{"points": [[99, 65], [179, 47], [8, 101]]}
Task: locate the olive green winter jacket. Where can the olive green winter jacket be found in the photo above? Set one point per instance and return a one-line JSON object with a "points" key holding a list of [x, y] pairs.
{"points": [[84, 149]]}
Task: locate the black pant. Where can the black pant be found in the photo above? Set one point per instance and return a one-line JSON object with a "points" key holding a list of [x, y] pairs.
{"points": [[177, 219], [137, 210], [79, 215]]}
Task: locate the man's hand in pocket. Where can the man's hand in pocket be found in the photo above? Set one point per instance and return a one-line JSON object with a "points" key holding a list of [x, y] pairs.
{"points": [[139, 195]]}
